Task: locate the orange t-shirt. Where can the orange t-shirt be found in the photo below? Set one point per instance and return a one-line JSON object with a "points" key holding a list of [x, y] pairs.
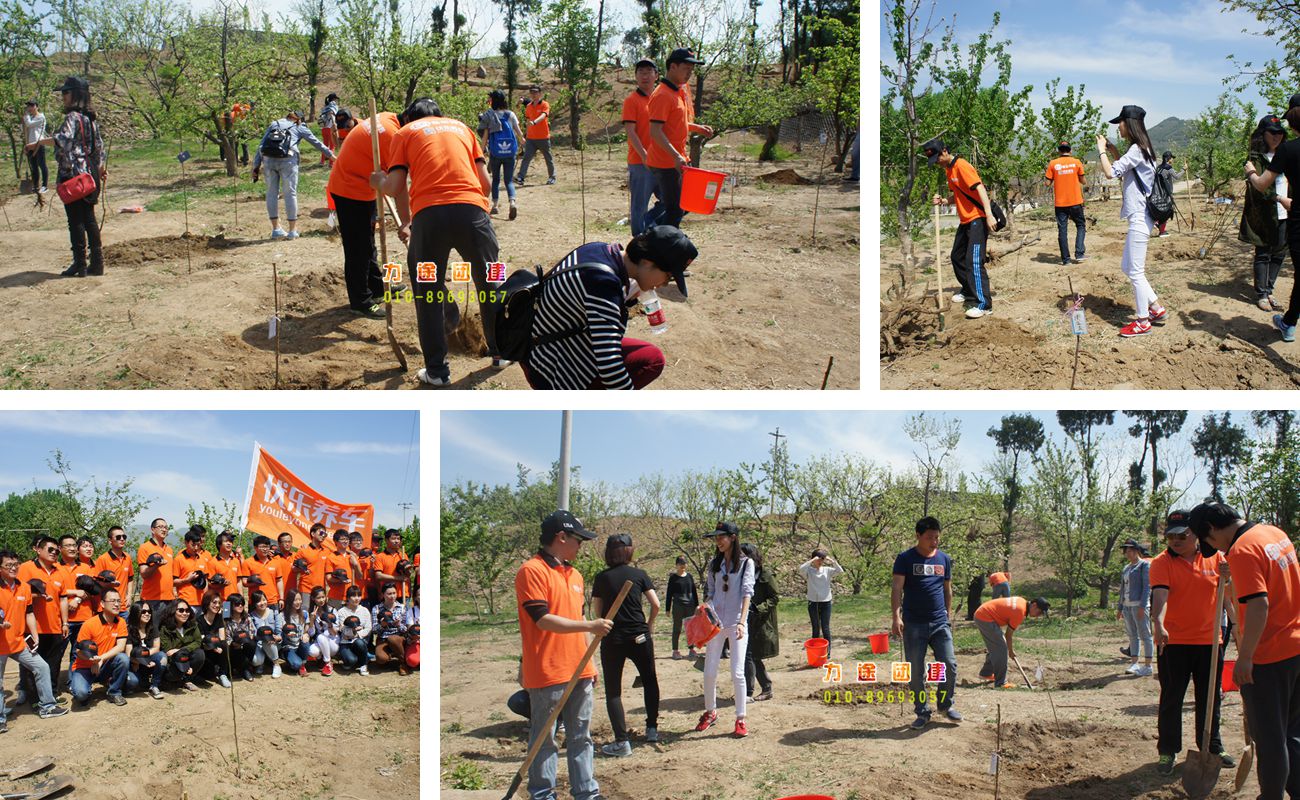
{"points": [[230, 570], [339, 591], [284, 568], [636, 109], [350, 175], [1192, 586], [122, 568], [439, 154], [962, 180], [999, 578], [104, 636], [268, 571], [387, 563], [1263, 562], [14, 601], [367, 564], [549, 658], [49, 616], [318, 558], [158, 585], [89, 607], [1004, 611], [182, 566], [538, 130], [1066, 175], [670, 105]]}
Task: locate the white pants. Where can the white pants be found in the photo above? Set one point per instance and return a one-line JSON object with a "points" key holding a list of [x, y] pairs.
{"points": [[1135, 262], [713, 658], [324, 647]]}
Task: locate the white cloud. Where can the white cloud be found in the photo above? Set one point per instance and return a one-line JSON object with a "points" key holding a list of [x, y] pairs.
{"points": [[361, 449], [168, 483], [193, 429], [459, 431]]}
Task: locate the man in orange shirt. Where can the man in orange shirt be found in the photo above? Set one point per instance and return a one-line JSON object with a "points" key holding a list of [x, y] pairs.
{"points": [[314, 557], [82, 604], [537, 119], [191, 567], [49, 604], [388, 564], [366, 564], [974, 217], [354, 202], [990, 618], [101, 653], [1266, 583], [1183, 585], [342, 569], [549, 593], [16, 620], [228, 563], [1065, 176], [1001, 584], [155, 560], [264, 566], [116, 560], [672, 121], [641, 182], [448, 196], [284, 558]]}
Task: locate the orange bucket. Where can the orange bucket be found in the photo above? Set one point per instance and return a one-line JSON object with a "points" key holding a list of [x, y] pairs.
{"points": [[701, 189], [1229, 685], [879, 642], [816, 649]]}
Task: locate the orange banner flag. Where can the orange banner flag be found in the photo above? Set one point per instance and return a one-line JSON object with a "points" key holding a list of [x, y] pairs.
{"points": [[280, 501]]}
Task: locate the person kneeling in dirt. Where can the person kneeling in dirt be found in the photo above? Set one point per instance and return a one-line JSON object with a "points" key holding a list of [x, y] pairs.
{"points": [[1183, 585], [974, 215], [279, 151], [990, 618], [590, 301]]}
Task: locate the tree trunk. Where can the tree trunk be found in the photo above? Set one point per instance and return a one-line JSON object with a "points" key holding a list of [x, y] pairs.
{"points": [[574, 119], [768, 153], [230, 146]]}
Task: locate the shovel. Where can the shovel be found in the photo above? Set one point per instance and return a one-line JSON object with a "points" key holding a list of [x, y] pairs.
{"points": [[29, 767], [1201, 769], [383, 236], [46, 788], [1023, 674], [938, 271], [1247, 755]]}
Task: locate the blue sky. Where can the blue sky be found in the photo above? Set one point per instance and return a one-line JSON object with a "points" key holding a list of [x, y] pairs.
{"points": [[187, 457], [618, 447], [1168, 56]]}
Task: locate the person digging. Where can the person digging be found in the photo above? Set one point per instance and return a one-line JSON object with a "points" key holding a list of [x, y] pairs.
{"points": [[990, 618]]}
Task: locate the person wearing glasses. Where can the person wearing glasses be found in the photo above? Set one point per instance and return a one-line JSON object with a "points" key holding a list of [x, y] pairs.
{"points": [[117, 561], [266, 567], [730, 589], [390, 631], [155, 560], [16, 619], [79, 560], [241, 636], [148, 663], [353, 652], [296, 646], [50, 605], [182, 643], [101, 653], [268, 622], [212, 624]]}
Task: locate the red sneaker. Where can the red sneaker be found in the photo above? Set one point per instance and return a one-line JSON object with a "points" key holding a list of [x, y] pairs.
{"points": [[1138, 327], [302, 671], [1158, 316], [328, 669], [741, 730], [706, 720]]}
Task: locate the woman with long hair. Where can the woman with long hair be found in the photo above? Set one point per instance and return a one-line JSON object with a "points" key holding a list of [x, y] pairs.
{"points": [[1136, 170], [322, 623], [181, 642], [354, 632], [212, 623], [296, 646], [1264, 214], [269, 623], [730, 587], [631, 638], [148, 662], [763, 638], [1286, 162], [79, 150], [241, 635]]}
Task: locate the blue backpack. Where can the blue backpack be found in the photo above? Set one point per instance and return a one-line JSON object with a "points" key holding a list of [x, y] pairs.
{"points": [[502, 142]]}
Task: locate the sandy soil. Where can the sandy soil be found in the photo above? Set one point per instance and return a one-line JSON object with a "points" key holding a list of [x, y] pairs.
{"points": [[1102, 749], [1216, 338], [293, 733], [767, 308]]}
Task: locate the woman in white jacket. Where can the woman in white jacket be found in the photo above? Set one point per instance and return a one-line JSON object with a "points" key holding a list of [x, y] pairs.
{"points": [[353, 652], [730, 584]]}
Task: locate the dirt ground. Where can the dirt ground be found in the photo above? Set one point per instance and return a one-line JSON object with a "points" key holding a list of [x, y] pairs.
{"points": [[1216, 338], [767, 308], [299, 738], [1102, 749]]}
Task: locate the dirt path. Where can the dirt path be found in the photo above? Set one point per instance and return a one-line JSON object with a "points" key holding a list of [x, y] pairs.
{"points": [[1216, 338], [301, 738], [766, 309], [1104, 748]]}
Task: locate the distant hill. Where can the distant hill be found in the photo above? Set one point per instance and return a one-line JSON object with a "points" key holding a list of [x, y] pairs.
{"points": [[1171, 134]]}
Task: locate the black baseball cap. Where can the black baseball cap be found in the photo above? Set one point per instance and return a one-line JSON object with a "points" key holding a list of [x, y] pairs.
{"points": [[558, 522], [671, 250], [1063, 147], [1042, 604], [645, 62], [1177, 522], [1135, 545], [342, 117], [619, 540], [932, 149], [32, 102], [331, 96], [728, 528], [682, 55], [1272, 124], [1130, 112], [107, 576], [72, 83]]}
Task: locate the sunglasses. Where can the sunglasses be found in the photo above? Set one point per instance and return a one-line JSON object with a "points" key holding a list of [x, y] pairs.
{"points": [[119, 536], [51, 550], [1178, 536], [145, 611], [162, 527], [183, 610]]}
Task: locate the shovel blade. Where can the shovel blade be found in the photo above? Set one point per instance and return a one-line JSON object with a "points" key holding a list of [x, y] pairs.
{"points": [[29, 767], [1200, 773], [1243, 769]]}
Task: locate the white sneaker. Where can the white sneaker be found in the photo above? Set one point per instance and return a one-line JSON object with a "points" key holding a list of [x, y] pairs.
{"points": [[977, 312], [291, 235], [1132, 669], [1144, 671], [225, 682], [361, 670], [43, 190], [333, 220], [278, 233], [275, 671], [959, 298], [424, 377]]}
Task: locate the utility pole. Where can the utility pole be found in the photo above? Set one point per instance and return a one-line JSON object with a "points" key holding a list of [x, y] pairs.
{"points": [[404, 507], [566, 438], [777, 436]]}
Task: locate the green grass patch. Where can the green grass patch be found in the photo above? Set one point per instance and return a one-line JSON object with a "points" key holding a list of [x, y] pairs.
{"points": [[466, 775], [217, 187], [753, 149]]}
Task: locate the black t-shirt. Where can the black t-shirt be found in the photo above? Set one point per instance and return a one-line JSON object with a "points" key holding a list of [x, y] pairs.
{"points": [[629, 622], [1287, 162]]}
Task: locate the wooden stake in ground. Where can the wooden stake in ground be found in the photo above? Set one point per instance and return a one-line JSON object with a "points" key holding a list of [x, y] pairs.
{"points": [[549, 727], [827, 376], [103, 190], [1078, 326], [1191, 212], [938, 271], [383, 237], [997, 760], [182, 157], [274, 329], [817, 199], [582, 184], [233, 717]]}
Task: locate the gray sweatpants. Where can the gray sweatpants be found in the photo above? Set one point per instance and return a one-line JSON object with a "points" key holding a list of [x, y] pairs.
{"points": [[281, 175], [995, 663], [531, 146]]}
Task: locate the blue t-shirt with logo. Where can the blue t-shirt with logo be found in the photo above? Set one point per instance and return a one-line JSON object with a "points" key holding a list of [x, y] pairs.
{"points": [[923, 585]]}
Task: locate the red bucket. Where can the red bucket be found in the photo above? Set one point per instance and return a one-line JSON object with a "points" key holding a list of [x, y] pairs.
{"points": [[879, 642], [816, 649], [701, 189], [1229, 685]]}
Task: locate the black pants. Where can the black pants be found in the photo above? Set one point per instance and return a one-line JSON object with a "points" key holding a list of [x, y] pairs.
{"points": [[36, 161], [214, 664], [241, 657], [435, 232], [755, 673], [1273, 706], [198, 658], [612, 656], [83, 229], [1268, 263], [1177, 664], [49, 648], [820, 616], [974, 594], [670, 195], [1063, 216], [681, 613], [968, 262], [360, 259]]}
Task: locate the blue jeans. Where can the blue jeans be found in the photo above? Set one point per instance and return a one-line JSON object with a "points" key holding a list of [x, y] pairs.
{"points": [[112, 674], [155, 669], [579, 749], [354, 654], [40, 672], [642, 185], [1063, 216], [498, 166], [1139, 630], [1002, 590], [918, 637], [277, 170], [295, 657]]}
